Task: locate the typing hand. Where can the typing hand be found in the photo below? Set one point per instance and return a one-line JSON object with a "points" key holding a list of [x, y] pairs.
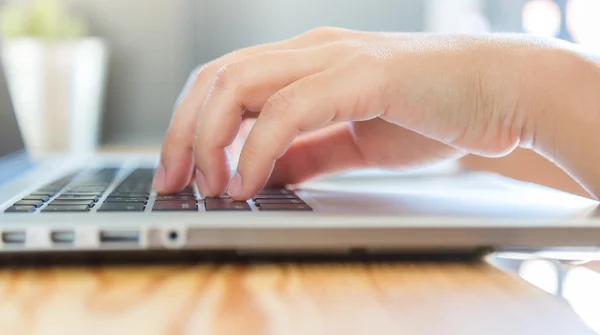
{"points": [[334, 99]]}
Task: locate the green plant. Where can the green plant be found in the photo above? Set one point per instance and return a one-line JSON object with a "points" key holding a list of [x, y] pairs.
{"points": [[45, 19]]}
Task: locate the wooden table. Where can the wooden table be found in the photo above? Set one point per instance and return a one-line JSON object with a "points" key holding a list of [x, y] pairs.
{"points": [[404, 298]]}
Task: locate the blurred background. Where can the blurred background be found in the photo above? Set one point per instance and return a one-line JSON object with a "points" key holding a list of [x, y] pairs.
{"points": [[86, 74], [144, 50]]}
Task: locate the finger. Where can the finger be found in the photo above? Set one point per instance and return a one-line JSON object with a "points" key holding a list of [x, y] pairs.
{"points": [[176, 152], [176, 165], [328, 150], [344, 146], [240, 87], [330, 96]]}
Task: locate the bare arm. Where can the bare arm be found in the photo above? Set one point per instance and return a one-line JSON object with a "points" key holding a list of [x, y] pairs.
{"points": [[395, 100], [529, 166], [574, 100], [568, 114]]}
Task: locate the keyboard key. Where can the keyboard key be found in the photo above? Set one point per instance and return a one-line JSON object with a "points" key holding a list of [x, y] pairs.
{"points": [[91, 185], [284, 207], [137, 184], [88, 188], [278, 201], [130, 194], [39, 198], [59, 202], [89, 193], [275, 191], [187, 205], [20, 209], [48, 189], [122, 207], [136, 194], [69, 208], [126, 199], [220, 204], [35, 203], [77, 197], [175, 197], [46, 192], [81, 194], [276, 196], [187, 191], [42, 194]]}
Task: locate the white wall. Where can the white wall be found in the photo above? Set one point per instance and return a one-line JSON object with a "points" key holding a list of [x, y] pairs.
{"points": [[231, 24], [152, 52], [449, 16], [157, 42]]}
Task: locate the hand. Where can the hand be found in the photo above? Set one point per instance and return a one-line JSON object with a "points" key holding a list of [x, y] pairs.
{"points": [[334, 99]]}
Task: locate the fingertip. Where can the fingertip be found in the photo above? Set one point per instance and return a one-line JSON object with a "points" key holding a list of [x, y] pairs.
{"points": [[241, 189], [213, 172], [235, 187], [173, 173], [202, 184], [251, 177], [159, 182]]}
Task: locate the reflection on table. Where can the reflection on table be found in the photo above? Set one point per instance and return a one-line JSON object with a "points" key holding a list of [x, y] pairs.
{"points": [[558, 273]]}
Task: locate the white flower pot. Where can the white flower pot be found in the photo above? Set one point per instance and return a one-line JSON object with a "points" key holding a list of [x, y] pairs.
{"points": [[58, 92]]}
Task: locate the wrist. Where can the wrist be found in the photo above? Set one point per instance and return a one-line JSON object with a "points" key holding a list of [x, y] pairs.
{"points": [[567, 118]]}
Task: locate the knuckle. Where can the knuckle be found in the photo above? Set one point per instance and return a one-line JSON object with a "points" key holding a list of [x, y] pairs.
{"points": [[195, 79], [173, 135], [226, 76], [324, 32], [203, 72], [198, 70], [278, 103], [200, 140]]}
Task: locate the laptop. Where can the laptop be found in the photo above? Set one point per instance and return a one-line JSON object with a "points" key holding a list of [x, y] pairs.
{"points": [[102, 204]]}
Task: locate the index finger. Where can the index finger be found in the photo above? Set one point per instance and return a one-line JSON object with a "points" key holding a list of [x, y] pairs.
{"points": [[240, 87], [176, 159], [175, 167]]}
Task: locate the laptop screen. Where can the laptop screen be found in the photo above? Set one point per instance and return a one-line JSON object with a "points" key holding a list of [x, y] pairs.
{"points": [[10, 136], [13, 160]]}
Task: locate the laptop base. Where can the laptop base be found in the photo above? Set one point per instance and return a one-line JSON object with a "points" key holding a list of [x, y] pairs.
{"points": [[173, 257]]}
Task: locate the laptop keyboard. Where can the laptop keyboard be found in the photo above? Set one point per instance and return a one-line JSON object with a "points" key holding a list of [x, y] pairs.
{"points": [[131, 195], [85, 192]]}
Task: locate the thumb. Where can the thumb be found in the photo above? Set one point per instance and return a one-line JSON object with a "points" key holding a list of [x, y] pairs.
{"points": [[328, 150]]}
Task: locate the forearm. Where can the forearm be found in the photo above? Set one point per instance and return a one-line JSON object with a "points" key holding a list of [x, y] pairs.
{"points": [[567, 127], [526, 165]]}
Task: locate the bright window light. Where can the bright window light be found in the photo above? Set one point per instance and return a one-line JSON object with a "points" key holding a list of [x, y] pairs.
{"points": [[582, 290], [540, 273], [542, 18], [583, 22]]}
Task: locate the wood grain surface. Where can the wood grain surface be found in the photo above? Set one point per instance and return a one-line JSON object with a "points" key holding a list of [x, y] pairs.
{"points": [[279, 299]]}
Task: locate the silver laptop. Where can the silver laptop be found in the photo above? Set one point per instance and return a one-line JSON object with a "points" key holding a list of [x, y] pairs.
{"points": [[100, 204]]}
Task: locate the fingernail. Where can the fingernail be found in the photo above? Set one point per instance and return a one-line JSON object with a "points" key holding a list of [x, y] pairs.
{"points": [[235, 187], [201, 183], [160, 179]]}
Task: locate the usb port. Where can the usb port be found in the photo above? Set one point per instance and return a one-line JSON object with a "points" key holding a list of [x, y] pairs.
{"points": [[119, 237], [13, 237], [63, 237]]}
